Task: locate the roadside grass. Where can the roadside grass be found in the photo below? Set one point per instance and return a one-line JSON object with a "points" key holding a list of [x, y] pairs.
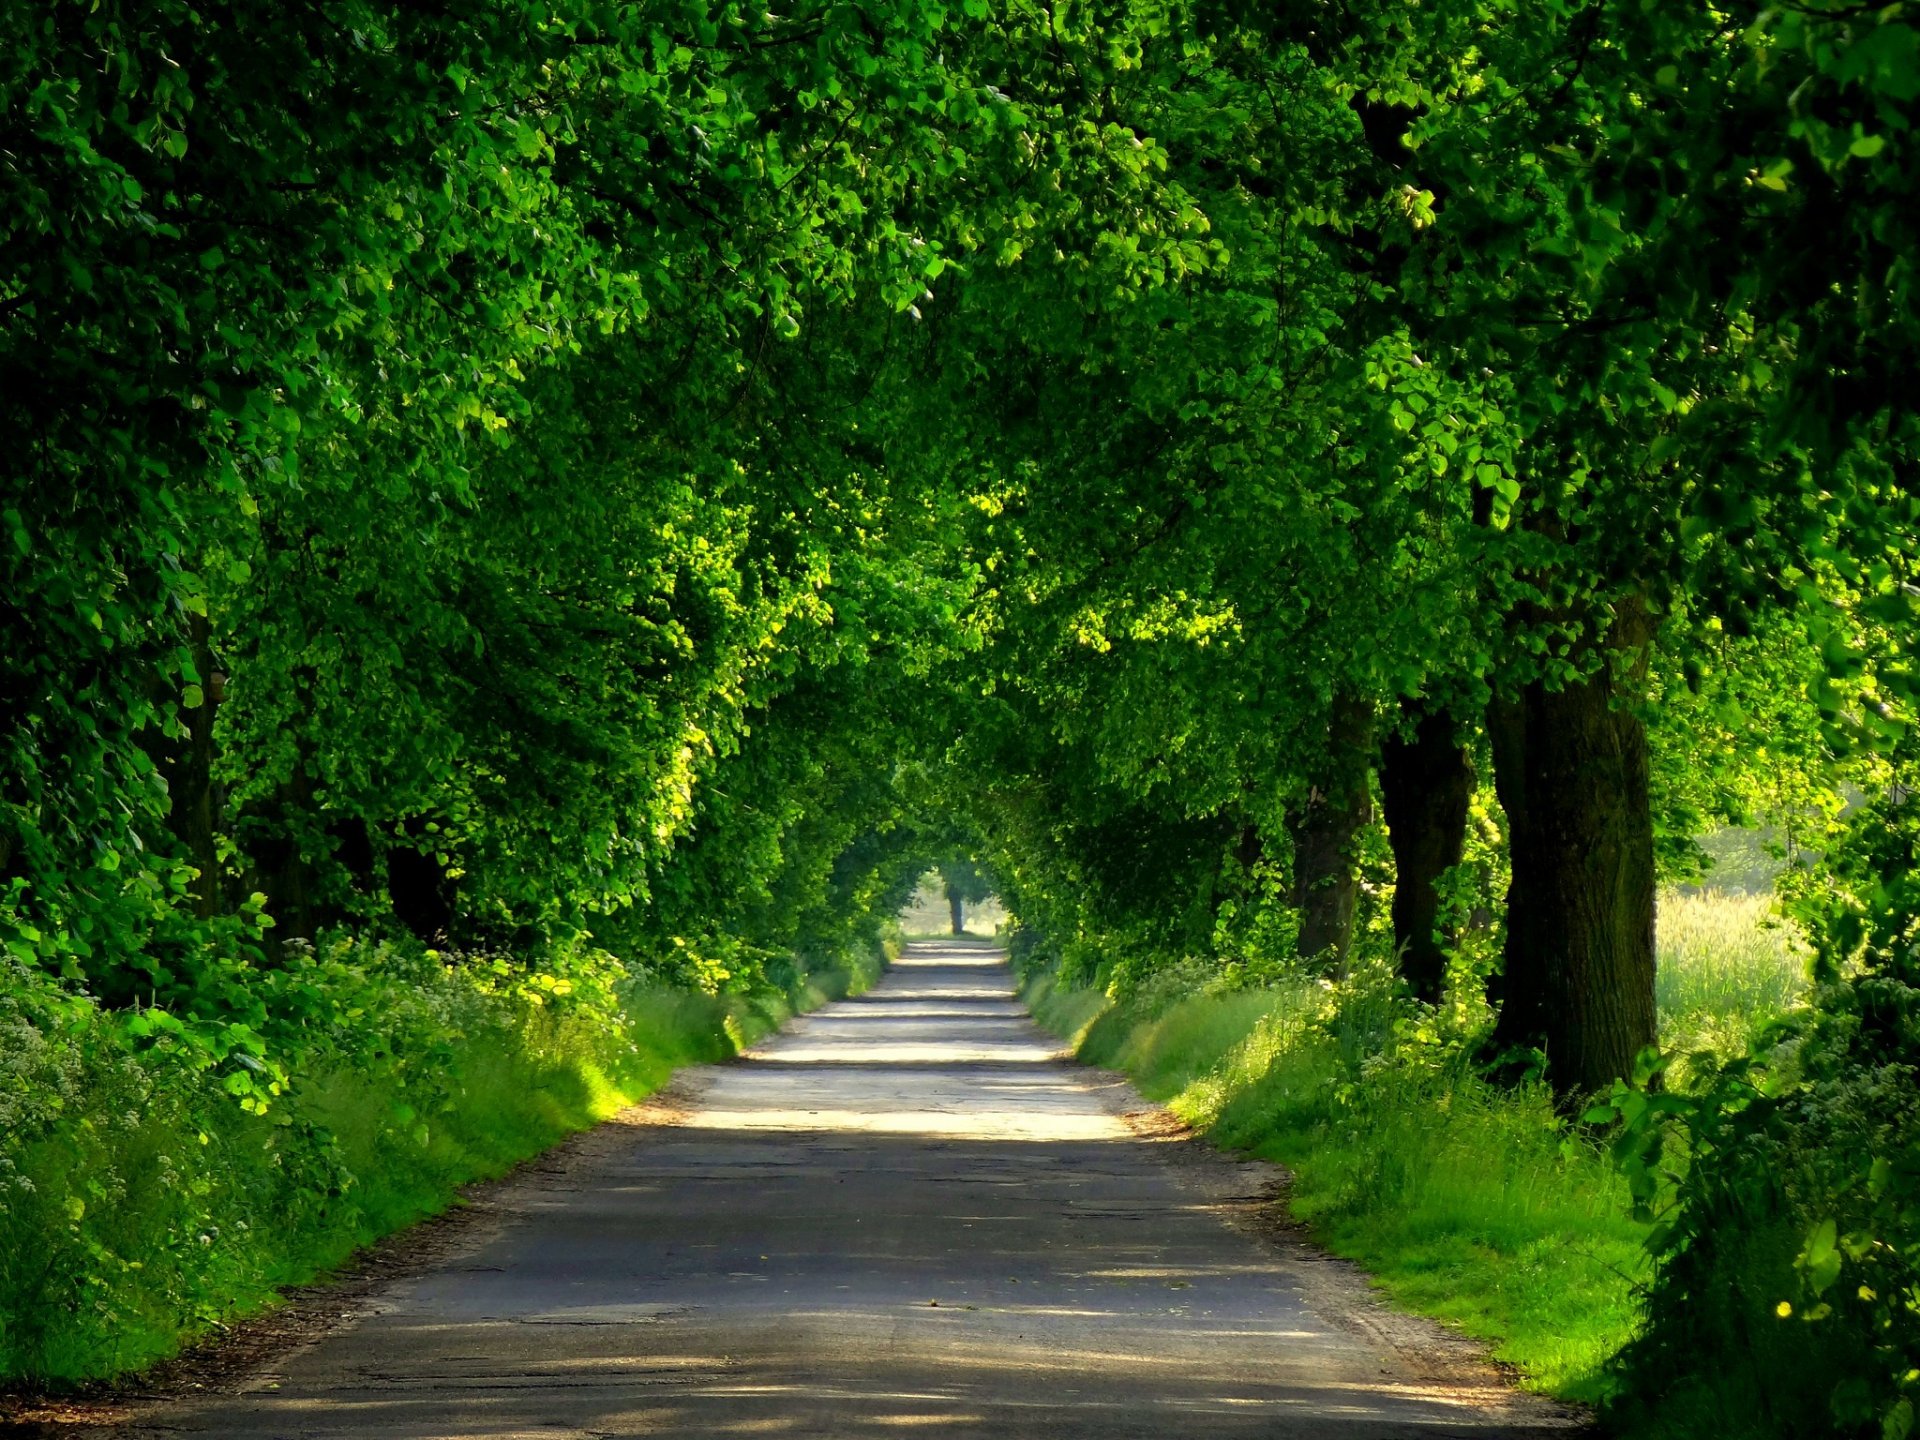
{"points": [[146, 1209], [1471, 1202]]}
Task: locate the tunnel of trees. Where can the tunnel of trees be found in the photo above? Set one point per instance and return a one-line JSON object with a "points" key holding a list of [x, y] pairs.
{"points": [[590, 493]]}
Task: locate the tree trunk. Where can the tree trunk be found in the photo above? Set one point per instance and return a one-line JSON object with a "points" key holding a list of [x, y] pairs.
{"points": [[1339, 805], [957, 908], [1426, 786], [1513, 988], [284, 837], [1570, 767], [193, 813], [418, 890]]}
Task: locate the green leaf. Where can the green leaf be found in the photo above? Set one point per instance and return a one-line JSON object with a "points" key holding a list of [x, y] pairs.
{"points": [[1820, 1259]]}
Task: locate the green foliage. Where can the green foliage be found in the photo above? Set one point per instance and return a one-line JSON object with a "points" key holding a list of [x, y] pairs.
{"points": [[409, 462], [574, 481], [1789, 1248], [962, 880], [143, 1207]]}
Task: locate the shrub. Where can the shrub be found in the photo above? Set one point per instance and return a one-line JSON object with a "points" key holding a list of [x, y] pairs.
{"points": [[1786, 1298]]}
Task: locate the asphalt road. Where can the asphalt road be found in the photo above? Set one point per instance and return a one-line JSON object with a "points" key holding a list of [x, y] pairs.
{"points": [[906, 1216]]}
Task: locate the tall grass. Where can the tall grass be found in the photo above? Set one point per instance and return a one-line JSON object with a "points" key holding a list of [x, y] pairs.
{"points": [[1727, 955]]}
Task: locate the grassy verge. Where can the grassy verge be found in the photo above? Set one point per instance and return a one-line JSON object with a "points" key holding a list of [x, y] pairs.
{"points": [[141, 1206]]}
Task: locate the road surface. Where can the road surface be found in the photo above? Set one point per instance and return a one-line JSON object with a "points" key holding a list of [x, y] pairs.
{"points": [[905, 1216]]}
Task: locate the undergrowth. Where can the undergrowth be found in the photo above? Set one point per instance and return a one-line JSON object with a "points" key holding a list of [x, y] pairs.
{"points": [[1787, 1295], [143, 1204]]}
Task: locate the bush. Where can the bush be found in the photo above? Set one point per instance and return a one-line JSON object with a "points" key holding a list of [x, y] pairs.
{"points": [[1787, 1293]]}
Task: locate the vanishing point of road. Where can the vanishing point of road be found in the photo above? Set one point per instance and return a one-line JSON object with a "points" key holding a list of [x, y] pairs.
{"points": [[905, 1216]]}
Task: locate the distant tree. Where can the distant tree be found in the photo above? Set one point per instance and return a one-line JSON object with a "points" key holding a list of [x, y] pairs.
{"points": [[965, 886]]}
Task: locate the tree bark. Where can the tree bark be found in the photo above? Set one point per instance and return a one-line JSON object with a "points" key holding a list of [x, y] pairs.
{"points": [[280, 870], [193, 809], [1426, 787], [1326, 889], [1571, 771], [418, 890], [957, 909]]}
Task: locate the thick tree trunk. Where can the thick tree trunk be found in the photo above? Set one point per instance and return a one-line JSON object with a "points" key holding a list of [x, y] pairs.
{"points": [[1248, 848], [1326, 889], [1570, 767], [1426, 786], [957, 909], [193, 813], [285, 833], [1513, 990], [281, 871], [418, 891]]}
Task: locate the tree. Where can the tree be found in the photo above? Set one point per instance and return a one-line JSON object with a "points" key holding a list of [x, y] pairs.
{"points": [[964, 885]]}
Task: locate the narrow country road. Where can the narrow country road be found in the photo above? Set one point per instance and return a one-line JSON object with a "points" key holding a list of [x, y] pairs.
{"points": [[905, 1216]]}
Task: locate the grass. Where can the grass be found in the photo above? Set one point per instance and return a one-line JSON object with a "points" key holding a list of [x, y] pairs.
{"points": [[1725, 955], [1465, 1202], [1473, 1203], [144, 1208]]}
